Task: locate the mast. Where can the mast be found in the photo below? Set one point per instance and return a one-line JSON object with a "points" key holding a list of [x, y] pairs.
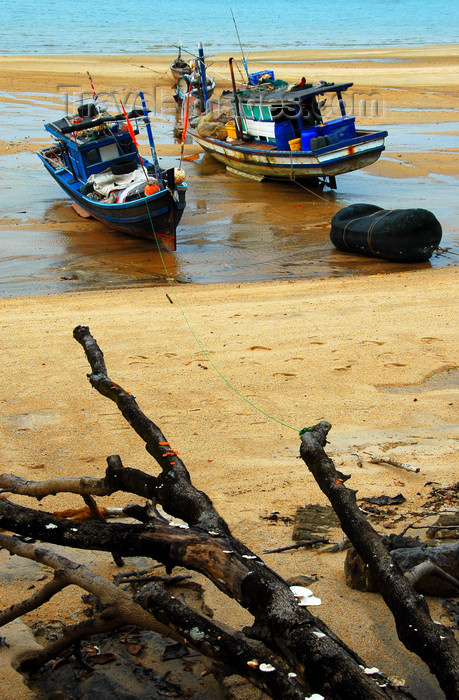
{"points": [[202, 70], [240, 46], [238, 120], [150, 139]]}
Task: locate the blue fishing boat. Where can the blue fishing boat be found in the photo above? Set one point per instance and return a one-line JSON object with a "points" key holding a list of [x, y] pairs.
{"points": [[277, 130], [95, 160]]}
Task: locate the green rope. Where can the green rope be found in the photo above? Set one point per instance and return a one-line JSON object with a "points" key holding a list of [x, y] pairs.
{"points": [[211, 362]]}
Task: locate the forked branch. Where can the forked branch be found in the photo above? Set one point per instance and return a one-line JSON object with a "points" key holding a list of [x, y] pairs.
{"points": [[305, 655]]}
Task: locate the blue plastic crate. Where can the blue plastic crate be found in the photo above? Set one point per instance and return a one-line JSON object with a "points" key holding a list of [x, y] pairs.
{"points": [[338, 129], [254, 78]]}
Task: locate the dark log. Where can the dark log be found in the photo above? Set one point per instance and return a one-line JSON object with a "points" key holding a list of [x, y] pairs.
{"points": [[440, 579], [292, 631], [433, 643], [179, 498], [235, 651], [444, 555], [323, 662]]}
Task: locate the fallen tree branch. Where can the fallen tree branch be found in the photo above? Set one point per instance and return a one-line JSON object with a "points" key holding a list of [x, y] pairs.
{"points": [[180, 497], [280, 622], [322, 662], [429, 514], [48, 590], [244, 656], [393, 463], [298, 545], [178, 621], [39, 489], [69, 573], [433, 643], [428, 569]]}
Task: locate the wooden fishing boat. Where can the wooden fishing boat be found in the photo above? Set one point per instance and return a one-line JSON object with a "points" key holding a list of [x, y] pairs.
{"points": [[400, 235], [193, 79], [179, 66], [95, 160], [193, 82], [278, 131]]}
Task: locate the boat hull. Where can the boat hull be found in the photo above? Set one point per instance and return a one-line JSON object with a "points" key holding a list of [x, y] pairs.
{"points": [[263, 161], [177, 71], [181, 90], [154, 217]]}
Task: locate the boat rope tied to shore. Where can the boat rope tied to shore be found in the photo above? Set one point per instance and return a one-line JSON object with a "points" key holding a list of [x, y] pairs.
{"points": [[212, 363]]}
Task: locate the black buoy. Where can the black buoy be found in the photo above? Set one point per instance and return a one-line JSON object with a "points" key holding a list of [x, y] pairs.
{"points": [[401, 235]]}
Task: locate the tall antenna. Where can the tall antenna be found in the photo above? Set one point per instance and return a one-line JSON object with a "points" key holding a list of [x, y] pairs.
{"points": [[240, 46]]}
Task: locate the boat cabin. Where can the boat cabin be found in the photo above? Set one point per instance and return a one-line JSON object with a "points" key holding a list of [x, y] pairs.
{"points": [[281, 116], [92, 141]]}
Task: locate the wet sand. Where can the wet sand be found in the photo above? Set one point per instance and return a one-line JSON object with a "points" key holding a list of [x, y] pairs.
{"points": [[375, 354]]}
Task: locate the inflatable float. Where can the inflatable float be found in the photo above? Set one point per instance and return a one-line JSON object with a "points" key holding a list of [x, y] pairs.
{"points": [[401, 235]]}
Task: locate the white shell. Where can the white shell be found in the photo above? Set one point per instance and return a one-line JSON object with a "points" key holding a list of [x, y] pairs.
{"points": [[267, 668], [305, 596]]}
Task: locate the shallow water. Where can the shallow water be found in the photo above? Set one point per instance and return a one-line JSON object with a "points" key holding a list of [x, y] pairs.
{"points": [[93, 26], [233, 229]]}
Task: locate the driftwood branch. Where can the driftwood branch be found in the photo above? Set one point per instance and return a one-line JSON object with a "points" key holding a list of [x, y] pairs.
{"points": [[298, 545], [69, 572], [179, 496], [279, 619], [412, 525], [39, 489], [48, 590], [433, 643], [428, 569], [177, 621], [393, 463], [283, 630]]}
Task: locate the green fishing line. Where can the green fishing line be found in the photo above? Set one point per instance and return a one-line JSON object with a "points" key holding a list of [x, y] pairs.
{"points": [[227, 382]]}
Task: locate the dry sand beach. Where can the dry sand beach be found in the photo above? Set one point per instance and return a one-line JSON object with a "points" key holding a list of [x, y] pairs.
{"points": [[376, 356]]}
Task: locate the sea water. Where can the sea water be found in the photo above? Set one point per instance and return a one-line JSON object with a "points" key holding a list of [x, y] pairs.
{"points": [[147, 27]]}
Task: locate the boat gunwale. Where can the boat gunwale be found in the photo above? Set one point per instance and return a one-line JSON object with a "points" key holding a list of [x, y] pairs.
{"points": [[254, 148], [106, 205]]}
